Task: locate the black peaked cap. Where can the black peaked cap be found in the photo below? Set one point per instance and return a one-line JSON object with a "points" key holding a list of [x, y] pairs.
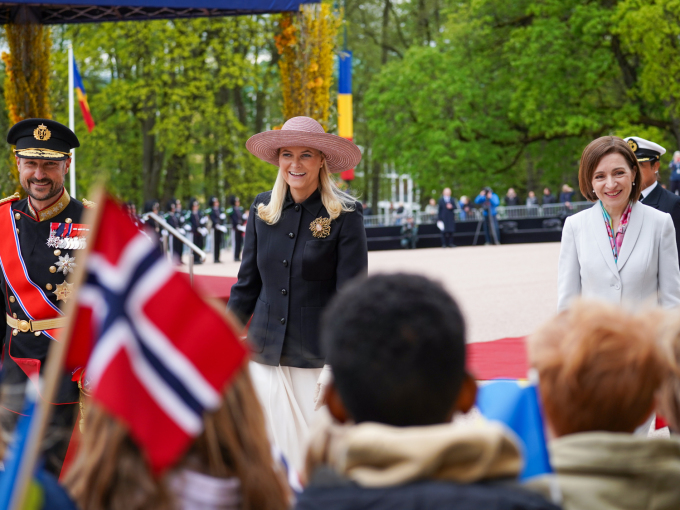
{"points": [[42, 139]]}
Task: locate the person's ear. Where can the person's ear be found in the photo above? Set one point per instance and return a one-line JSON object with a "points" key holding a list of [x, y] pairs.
{"points": [[467, 396], [335, 404]]}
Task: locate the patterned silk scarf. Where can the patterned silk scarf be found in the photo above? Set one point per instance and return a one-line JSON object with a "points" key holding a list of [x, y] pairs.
{"points": [[616, 240]]}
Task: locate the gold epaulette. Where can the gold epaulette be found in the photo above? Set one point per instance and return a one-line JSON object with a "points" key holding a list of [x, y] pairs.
{"points": [[10, 198], [88, 204]]}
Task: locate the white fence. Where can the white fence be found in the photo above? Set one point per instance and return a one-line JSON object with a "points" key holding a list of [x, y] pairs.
{"points": [[476, 214]]}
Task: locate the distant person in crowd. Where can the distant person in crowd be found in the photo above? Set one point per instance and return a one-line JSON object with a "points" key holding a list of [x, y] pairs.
{"points": [[599, 369], [229, 466], [511, 198], [305, 239], [181, 216], [197, 224], [619, 250], [548, 197], [399, 214], [532, 201], [174, 244], [238, 226], [654, 195], [488, 200], [567, 194], [409, 233], [465, 207], [446, 218], [218, 219], [674, 167], [431, 208], [397, 347], [368, 210]]}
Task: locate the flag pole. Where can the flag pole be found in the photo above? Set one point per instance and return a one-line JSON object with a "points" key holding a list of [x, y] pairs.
{"points": [[71, 119]]}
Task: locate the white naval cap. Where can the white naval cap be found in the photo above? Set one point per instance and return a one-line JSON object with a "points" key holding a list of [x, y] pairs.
{"points": [[644, 149]]}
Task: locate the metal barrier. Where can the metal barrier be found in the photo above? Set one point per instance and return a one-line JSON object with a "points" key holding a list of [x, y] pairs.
{"points": [[477, 214]]}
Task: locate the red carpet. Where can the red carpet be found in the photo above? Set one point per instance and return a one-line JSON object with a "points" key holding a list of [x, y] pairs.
{"points": [[506, 358], [214, 286]]}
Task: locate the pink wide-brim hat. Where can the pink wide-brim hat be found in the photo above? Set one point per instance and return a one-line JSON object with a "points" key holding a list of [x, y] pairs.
{"points": [[341, 154]]}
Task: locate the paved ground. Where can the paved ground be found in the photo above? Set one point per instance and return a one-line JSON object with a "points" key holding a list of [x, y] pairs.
{"points": [[504, 291]]}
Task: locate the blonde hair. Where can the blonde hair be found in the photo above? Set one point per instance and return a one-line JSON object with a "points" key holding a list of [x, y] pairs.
{"points": [[110, 472], [334, 199], [599, 368]]}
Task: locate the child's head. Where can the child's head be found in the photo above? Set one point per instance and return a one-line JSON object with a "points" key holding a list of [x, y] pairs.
{"points": [[397, 347]]}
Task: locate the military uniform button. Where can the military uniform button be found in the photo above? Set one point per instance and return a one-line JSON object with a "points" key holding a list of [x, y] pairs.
{"points": [[53, 269], [291, 235], [12, 299], [285, 263], [297, 207], [14, 315], [283, 321], [15, 332], [48, 286], [17, 216], [284, 292], [68, 220], [37, 333], [57, 252], [17, 231]]}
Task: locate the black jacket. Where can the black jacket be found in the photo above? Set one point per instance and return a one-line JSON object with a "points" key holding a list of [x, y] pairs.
{"points": [[288, 276], [425, 495], [446, 215], [663, 200]]}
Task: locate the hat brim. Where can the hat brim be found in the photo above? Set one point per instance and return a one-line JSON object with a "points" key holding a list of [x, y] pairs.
{"points": [[341, 154], [41, 154]]}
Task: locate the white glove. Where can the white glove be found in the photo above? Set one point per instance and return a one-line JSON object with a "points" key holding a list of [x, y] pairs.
{"points": [[221, 228], [182, 231], [242, 228], [440, 225], [223, 216], [322, 383], [204, 220], [203, 231]]}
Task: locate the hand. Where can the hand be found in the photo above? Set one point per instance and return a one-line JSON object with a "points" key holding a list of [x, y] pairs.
{"points": [[449, 205], [322, 383]]}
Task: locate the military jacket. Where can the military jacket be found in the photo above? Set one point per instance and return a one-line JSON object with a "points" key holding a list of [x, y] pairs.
{"points": [[289, 274], [50, 243]]}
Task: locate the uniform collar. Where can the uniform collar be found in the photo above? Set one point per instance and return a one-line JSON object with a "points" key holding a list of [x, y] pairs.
{"points": [[313, 204], [645, 192], [50, 211]]}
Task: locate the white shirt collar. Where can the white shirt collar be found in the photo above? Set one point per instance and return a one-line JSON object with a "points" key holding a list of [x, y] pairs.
{"points": [[649, 189]]}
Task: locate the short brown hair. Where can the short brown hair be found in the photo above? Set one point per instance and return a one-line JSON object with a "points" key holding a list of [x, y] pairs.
{"points": [[598, 366], [593, 154]]}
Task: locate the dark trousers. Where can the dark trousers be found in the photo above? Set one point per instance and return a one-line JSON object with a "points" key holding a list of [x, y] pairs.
{"points": [[177, 247], [218, 245], [675, 187], [447, 239], [238, 244], [198, 241]]}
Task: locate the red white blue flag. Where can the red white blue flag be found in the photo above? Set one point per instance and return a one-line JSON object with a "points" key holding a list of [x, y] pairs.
{"points": [[157, 355]]}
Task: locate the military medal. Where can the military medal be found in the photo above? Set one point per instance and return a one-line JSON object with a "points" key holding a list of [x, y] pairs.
{"points": [[68, 236], [66, 264], [63, 291], [320, 227]]}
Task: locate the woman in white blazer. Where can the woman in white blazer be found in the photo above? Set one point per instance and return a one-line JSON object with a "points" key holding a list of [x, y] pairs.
{"points": [[619, 250]]}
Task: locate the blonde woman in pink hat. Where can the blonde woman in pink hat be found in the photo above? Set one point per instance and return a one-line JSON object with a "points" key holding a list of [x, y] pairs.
{"points": [[304, 241]]}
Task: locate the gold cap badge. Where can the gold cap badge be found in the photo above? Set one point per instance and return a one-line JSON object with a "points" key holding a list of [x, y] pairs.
{"points": [[42, 133], [633, 145]]}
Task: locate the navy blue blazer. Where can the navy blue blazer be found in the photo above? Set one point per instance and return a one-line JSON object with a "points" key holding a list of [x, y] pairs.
{"points": [[288, 276]]}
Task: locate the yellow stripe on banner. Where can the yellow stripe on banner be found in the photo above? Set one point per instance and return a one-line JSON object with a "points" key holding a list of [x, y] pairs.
{"points": [[345, 121]]}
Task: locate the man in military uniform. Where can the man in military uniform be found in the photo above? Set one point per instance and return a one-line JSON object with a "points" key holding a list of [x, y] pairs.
{"points": [[217, 218], [236, 215], [653, 194], [42, 236]]}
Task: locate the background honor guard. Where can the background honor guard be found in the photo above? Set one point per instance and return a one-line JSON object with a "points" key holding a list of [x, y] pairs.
{"points": [[217, 217], [653, 194], [42, 236], [238, 228]]}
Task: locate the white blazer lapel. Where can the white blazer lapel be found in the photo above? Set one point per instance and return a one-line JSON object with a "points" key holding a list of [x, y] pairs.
{"points": [[632, 233], [598, 232]]}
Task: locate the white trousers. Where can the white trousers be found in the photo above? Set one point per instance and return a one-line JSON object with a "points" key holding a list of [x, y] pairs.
{"points": [[287, 398]]}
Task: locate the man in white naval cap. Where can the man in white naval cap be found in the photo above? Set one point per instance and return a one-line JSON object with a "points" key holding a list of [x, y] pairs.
{"points": [[653, 195]]}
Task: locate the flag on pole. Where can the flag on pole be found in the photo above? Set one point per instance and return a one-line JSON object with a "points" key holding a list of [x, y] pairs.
{"points": [[156, 355], [345, 114], [516, 404], [82, 97]]}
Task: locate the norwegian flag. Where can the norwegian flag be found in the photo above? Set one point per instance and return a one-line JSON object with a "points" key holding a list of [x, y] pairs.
{"points": [[157, 355]]}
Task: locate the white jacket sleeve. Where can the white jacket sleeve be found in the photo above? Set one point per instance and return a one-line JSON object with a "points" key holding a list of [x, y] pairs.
{"points": [[569, 268], [669, 273]]}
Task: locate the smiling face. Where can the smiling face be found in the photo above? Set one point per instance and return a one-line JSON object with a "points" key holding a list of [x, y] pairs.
{"points": [[42, 179], [613, 181], [300, 168]]}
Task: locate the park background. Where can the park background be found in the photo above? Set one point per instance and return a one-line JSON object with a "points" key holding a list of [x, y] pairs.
{"points": [[461, 94]]}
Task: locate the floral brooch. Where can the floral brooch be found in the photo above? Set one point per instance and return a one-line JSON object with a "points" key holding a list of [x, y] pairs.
{"points": [[320, 227]]}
